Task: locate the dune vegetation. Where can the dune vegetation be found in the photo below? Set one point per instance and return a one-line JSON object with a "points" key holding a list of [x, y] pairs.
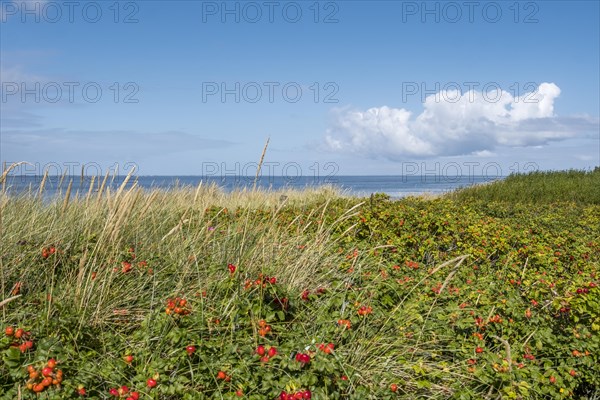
{"points": [[193, 293]]}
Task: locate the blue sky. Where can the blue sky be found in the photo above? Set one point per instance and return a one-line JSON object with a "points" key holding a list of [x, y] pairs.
{"points": [[350, 87]]}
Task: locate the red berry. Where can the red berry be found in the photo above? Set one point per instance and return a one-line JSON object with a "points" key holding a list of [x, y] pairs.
{"points": [[135, 395], [9, 331], [260, 350], [125, 266], [51, 363], [478, 350], [572, 372], [303, 358], [190, 350], [264, 359], [306, 394], [221, 375], [47, 371], [151, 383], [394, 387], [81, 391], [273, 280], [552, 379], [239, 393], [113, 392], [272, 352]]}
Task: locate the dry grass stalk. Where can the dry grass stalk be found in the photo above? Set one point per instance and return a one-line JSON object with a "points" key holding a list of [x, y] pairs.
{"points": [[6, 301], [41, 191], [67, 196], [262, 157]]}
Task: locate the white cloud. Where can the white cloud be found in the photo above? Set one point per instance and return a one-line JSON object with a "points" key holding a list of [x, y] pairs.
{"points": [[483, 153], [455, 124]]}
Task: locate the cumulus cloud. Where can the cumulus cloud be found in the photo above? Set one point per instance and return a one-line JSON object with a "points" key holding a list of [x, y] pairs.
{"points": [[454, 123]]}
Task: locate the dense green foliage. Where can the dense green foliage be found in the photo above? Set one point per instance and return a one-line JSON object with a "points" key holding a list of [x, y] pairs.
{"points": [[439, 298], [539, 187]]}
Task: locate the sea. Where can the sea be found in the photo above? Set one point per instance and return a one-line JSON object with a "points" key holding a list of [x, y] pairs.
{"points": [[396, 186]]}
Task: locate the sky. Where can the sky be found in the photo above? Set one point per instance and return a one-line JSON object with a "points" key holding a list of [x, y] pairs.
{"points": [[339, 87]]}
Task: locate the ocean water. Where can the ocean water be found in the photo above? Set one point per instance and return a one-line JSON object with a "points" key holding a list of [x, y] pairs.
{"points": [[397, 186]]}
